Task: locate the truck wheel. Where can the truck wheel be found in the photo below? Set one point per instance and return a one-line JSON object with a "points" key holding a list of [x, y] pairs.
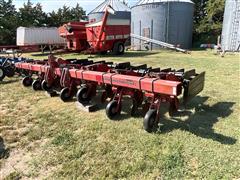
{"points": [[82, 95], [2, 73], [149, 122], [36, 85], [45, 86], [111, 109], [27, 81], [118, 48], [65, 94]]}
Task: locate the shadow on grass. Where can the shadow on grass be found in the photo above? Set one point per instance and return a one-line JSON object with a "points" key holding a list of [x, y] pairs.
{"points": [[202, 121], [58, 53], [128, 54], [9, 81], [4, 152], [199, 49]]}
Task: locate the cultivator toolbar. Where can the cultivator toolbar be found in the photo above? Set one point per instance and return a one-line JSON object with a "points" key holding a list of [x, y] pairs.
{"points": [[148, 87]]}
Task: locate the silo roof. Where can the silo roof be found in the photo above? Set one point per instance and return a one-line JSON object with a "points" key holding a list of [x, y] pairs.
{"points": [[116, 5], [156, 1]]}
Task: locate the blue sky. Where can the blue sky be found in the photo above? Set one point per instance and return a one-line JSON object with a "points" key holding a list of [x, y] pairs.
{"points": [[49, 5]]}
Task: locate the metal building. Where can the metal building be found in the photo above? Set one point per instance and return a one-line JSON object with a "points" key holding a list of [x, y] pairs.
{"points": [[123, 12], [170, 21], [231, 26]]}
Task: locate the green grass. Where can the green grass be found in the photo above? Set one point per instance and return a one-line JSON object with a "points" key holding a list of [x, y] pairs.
{"points": [[201, 143]]}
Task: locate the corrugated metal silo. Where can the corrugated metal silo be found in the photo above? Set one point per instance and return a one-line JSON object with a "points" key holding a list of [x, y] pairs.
{"points": [[122, 11], [169, 21], [231, 26]]}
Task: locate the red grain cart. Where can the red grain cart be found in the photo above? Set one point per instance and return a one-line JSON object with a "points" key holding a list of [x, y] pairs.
{"points": [[108, 34], [97, 37], [75, 35]]}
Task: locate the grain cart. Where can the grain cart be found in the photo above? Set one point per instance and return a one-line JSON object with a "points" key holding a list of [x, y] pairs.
{"points": [[97, 37], [75, 35], [108, 34]]}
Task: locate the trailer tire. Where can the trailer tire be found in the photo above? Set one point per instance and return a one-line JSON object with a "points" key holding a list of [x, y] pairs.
{"points": [[111, 109], [65, 94], [118, 48], [149, 123], [82, 95], [45, 86], [36, 85], [2, 73], [27, 81]]}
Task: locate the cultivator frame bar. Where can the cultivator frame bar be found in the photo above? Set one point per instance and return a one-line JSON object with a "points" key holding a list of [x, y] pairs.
{"points": [[153, 86]]}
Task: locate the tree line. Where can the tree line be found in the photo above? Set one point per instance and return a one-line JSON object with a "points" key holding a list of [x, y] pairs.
{"points": [[208, 18], [31, 15]]}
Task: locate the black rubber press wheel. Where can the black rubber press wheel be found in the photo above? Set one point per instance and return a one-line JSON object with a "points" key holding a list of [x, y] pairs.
{"points": [[82, 95], [36, 85], [27, 81], [149, 123], [111, 109], [45, 86], [65, 94]]}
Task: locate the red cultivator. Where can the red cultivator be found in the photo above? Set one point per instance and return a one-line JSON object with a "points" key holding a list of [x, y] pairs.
{"points": [[142, 84]]}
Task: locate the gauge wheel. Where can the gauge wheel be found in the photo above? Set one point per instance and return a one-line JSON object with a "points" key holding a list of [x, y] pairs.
{"points": [[45, 86], [65, 94], [111, 109], [27, 81], [82, 95], [149, 123], [36, 85]]}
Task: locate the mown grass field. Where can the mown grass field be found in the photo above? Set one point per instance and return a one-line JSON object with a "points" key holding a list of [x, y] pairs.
{"points": [[42, 137]]}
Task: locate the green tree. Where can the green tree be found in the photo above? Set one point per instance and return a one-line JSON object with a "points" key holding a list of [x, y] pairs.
{"points": [[8, 22], [200, 11], [66, 14], [78, 13], [208, 20], [30, 15], [212, 22]]}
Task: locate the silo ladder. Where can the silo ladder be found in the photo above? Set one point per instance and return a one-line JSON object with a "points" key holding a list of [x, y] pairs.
{"points": [[235, 28]]}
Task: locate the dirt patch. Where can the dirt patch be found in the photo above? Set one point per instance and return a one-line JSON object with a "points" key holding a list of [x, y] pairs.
{"points": [[16, 162], [21, 161]]}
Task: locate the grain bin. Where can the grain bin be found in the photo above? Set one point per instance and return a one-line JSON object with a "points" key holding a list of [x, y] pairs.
{"points": [[169, 21], [231, 26], [122, 11]]}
